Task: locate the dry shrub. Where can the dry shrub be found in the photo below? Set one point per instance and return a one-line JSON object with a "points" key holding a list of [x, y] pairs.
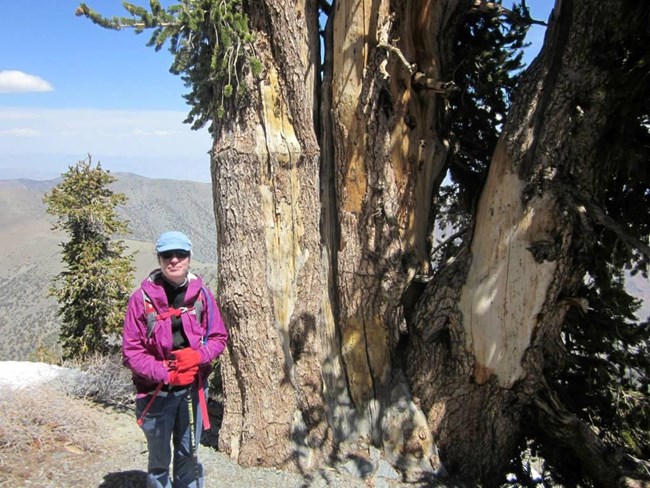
{"points": [[103, 379], [41, 418]]}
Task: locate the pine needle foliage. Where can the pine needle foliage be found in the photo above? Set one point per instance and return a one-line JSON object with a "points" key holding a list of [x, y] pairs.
{"points": [[211, 42], [488, 52], [607, 378], [93, 289]]}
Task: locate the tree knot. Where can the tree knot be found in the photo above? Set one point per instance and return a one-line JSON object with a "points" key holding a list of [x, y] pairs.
{"points": [[545, 249]]}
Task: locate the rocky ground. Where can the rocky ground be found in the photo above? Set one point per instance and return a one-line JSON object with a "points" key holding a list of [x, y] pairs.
{"points": [[118, 458], [49, 439]]}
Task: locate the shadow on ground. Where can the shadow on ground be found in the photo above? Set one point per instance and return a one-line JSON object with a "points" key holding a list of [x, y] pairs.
{"points": [[125, 479], [138, 479]]}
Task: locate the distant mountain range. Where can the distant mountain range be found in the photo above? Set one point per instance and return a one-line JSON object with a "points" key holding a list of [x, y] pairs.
{"points": [[30, 255]]}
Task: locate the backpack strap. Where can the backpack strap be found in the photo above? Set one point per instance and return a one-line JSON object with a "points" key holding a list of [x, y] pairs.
{"points": [[198, 308], [204, 291], [153, 316], [150, 313]]}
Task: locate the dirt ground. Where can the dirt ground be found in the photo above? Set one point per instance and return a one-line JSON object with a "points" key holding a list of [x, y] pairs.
{"points": [[49, 440]]}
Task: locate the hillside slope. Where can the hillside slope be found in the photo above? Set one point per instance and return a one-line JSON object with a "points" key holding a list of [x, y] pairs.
{"points": [[31, 257], [157, 205]]}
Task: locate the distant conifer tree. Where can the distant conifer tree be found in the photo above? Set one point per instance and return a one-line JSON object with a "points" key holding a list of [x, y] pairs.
{"points": [[93, 289]]}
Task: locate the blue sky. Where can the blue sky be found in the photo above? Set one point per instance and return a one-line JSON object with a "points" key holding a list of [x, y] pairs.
{"points": [[69, 88]]}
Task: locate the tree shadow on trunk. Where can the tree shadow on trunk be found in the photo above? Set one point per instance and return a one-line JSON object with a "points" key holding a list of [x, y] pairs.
{"points": [[210, 437]]}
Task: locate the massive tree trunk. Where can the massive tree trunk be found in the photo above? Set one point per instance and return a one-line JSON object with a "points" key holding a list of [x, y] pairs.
{"points": [[272, 286], [324, 192], [478, 364]]}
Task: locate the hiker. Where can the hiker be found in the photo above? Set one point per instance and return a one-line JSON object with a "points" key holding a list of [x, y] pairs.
{"points": [[172, 332]]}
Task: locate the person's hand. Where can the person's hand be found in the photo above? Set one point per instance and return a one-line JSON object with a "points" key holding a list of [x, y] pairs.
{"points": [[178, 377], [187, 358]]}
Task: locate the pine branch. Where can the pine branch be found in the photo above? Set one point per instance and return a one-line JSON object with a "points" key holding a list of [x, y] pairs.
{"points": [[411, 68], [119, 23], [447, 241], [567, 430], [325, 7], [599, 216], [494, 9], [211, 42]]}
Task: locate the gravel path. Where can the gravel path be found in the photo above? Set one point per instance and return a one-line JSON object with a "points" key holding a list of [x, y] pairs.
{"points": [[127, 467]]}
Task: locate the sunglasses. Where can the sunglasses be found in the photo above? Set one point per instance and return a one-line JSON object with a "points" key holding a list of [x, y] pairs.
{"points": [[178, 254]]}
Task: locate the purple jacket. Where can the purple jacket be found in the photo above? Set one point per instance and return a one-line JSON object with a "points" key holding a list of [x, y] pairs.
{"points": [[146, 356]]}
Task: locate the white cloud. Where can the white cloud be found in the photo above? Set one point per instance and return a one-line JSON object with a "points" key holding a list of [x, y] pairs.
{"points": [[23, 132], [12, 81]]}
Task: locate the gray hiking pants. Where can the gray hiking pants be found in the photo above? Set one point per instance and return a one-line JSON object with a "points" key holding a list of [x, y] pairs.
{"points": [[167, 422]]}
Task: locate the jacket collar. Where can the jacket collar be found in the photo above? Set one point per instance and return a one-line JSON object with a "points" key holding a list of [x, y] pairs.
{"points": [[153, 287]]}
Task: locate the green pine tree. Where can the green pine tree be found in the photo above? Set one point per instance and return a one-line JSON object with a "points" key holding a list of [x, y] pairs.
{"points": [[93, 289]]}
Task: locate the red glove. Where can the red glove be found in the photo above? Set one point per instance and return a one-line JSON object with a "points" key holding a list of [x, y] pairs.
{"points": [[187, 358], [177, 377]]}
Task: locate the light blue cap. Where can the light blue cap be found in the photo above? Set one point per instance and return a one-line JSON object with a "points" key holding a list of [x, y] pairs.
{"points": [[172, 241]]}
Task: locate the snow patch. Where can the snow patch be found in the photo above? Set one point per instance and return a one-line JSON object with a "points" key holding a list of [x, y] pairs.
{"points": [[16, 375]]}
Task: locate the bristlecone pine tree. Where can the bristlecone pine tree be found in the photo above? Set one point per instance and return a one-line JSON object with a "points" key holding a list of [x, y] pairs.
{"points": [[93, 289], [418, 249]]}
